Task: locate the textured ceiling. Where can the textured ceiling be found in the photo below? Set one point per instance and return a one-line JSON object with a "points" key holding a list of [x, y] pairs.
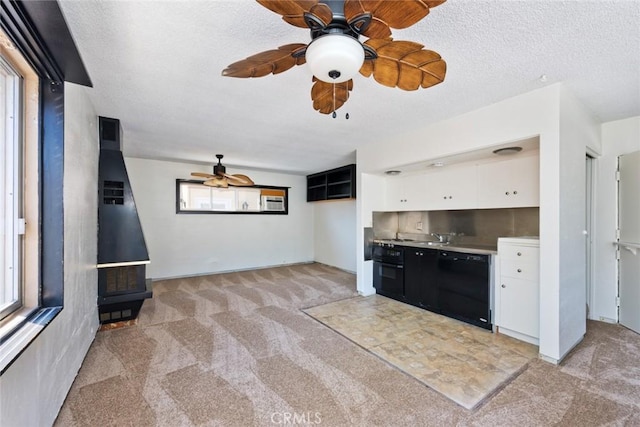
{"points": [[156, 65]]}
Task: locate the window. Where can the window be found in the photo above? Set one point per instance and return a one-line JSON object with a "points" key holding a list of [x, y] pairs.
{"points": [[194, 197], [20, 234], [12, 222]]}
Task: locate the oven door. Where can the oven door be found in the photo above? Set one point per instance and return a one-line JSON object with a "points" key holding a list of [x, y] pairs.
{"points": [[388, 279]]}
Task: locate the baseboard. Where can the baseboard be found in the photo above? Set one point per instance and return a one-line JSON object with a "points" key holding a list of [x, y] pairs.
{"points": [[558, 361], [186, 276], [367, 292]]}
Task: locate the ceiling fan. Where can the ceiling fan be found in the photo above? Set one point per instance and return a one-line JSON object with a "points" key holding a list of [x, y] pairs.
{"points": [[220, 178], [335, 55]]}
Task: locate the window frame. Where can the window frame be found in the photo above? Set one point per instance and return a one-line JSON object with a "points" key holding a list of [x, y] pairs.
{"points": [[181, 210], [12, 182]]}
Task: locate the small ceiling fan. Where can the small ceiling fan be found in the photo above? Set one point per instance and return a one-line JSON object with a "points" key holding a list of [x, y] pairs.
{"points": [[220, 178], [335, 55]]}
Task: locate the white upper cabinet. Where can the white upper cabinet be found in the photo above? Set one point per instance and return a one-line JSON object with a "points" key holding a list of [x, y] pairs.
{"points": [[405, 193], [454, 188], [509, 184]]}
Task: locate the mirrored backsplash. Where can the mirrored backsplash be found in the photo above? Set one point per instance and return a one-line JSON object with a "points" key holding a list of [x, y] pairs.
{"points": [[471, 226]]}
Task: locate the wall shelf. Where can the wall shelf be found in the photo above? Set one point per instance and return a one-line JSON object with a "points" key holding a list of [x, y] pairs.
{"points": [[339, 183]]}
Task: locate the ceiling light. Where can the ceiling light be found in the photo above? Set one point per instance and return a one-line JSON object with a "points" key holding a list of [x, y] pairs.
{"points": [[507, 150], [393, 172], [335, 58]]}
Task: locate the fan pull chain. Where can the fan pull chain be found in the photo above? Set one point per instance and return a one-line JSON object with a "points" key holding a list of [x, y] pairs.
{"points": [[334, 114], [334, 101], [346, 116]]}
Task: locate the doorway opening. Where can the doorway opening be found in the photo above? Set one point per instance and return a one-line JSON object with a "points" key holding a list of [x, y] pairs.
{"points": [[589, 229]]}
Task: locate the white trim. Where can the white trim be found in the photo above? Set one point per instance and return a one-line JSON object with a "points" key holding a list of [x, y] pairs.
{"points": [[18, 342], [11, 294], [122, 264]]}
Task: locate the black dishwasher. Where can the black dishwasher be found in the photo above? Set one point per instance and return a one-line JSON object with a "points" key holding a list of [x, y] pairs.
{"points": [[463, 287]]}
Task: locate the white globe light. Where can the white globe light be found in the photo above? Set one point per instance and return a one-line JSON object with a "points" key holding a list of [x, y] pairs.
{"points": [[335, 58]]}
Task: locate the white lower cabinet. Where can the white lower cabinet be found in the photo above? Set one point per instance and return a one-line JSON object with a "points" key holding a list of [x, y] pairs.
{"points": [[517, 294]]}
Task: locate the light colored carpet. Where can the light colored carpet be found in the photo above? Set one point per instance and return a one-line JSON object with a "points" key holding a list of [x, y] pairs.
{"points": [[465, 363], [234, 349]]}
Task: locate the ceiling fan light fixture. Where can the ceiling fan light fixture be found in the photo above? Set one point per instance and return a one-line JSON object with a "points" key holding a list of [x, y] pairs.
{"points": [[335, 58]]}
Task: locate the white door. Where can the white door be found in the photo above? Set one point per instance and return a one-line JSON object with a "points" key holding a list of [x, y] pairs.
{"points": [[629, 242]]}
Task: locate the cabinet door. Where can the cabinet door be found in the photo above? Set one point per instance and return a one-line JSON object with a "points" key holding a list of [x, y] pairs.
{"points": [[420, 269], [412, 275], [519, 305], [452, 189], [429, 290], [510, 183], [394, 193], [405, 193]]}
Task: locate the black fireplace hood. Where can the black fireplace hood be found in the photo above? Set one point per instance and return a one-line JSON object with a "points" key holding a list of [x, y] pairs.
{"points": [[122, 251], [120, 237]]}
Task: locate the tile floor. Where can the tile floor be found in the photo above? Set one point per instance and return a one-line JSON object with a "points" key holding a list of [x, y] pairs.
{"points": [[465, 363]]}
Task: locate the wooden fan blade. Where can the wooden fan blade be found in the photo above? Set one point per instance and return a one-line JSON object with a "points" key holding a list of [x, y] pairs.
{"points": [[203, 175], [268, 62], [377, 29], [217, 182], [389, 12], [322, 94], [292, 11], [321, 12], [239, 180], [404, 64]]}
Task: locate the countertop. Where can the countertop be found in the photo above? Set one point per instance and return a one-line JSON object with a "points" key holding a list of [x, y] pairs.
{"points": [[467, 248]]}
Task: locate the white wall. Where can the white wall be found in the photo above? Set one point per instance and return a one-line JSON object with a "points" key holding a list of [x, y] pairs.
{"points": [[523, 116], [578, 130], [370, 191], [619, 137], [33, 389], [334, 233], [192, 244]]}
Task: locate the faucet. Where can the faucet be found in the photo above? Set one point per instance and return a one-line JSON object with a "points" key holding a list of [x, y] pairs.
{"points": [[441, 237]]}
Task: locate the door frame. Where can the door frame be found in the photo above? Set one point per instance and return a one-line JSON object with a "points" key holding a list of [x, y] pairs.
{"points": [[620, 298], [590, 228]]}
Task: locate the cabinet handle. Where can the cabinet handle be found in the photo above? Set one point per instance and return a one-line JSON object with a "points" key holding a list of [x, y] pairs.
{"points": [[519, 253], [515, 192], [507, 193], [519, 270], [445, 197], [504, 286]]}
